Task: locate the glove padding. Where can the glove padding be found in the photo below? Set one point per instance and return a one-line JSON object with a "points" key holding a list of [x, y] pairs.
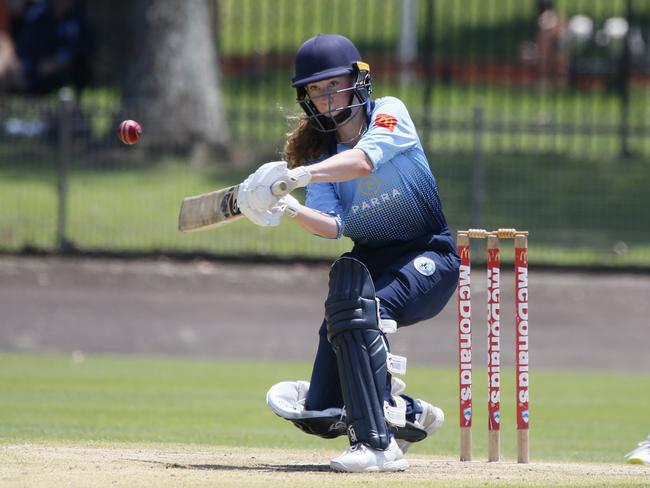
{"points": [[255, 193], [287, 205]]}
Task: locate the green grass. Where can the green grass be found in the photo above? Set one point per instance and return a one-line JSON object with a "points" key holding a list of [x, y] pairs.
{"points": [[586, 417], [528, 120], [579, 212], [461, 28], [136, 209]]}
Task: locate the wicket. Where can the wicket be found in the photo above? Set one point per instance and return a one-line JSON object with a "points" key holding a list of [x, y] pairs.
{"points": [[494, 341]]}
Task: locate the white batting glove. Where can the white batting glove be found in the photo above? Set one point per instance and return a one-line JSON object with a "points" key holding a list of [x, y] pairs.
{"points": [[263, 218], [298, 177], [255, 192], [289, 206]]}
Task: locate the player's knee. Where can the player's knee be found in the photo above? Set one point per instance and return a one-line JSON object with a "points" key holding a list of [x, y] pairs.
{"points": [[351, 302]]}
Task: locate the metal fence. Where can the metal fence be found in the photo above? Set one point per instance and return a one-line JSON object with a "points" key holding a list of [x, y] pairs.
{"points": [[536, 121]]}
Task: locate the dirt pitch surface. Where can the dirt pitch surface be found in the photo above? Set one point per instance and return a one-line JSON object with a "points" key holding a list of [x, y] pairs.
{"points": [[76, 466]]}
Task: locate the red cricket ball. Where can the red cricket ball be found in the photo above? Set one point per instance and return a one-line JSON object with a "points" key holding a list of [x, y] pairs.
{"points": [[129, 132]]}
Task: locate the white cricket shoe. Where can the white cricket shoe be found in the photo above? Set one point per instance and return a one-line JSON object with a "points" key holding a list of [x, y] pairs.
{"points": [[360, 458], [641, 455], [431, 419]]}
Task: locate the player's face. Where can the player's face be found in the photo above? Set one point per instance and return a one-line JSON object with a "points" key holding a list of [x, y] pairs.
{"points": [[332, 95]]}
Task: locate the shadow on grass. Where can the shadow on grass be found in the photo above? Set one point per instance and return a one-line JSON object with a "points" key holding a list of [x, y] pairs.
{"points": [[267, 468]]}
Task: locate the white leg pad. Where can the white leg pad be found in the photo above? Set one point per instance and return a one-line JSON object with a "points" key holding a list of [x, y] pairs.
{"points": [[287, 400]]}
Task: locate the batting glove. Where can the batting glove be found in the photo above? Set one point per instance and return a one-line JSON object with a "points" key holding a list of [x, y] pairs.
{"points": [[288, 205], [255, 192]]}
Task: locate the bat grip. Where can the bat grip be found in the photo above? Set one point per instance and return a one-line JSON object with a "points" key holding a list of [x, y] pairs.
{"points": [[280, 188]]}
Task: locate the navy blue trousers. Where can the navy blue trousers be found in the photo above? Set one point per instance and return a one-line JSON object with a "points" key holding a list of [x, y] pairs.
{"points": [[409, 290]]}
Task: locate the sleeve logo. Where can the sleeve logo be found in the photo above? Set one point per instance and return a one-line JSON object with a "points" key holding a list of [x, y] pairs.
{"points": [[386, 121]]}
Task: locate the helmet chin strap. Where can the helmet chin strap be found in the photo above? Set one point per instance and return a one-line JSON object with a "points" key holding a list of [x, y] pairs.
{"points": [[343, 116]]}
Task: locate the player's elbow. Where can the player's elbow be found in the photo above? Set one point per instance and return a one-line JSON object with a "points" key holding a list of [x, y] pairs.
{"points": [[364, 165], [365, 168]]}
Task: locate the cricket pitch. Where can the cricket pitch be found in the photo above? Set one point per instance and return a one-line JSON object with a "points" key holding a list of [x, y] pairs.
{"points": [[72, 465]]}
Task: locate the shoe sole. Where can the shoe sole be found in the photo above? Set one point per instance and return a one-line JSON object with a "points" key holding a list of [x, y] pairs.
{"points": [[399, 465], [636, 461]]}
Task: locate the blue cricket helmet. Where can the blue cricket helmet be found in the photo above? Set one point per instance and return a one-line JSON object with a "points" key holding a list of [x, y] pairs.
{"points": [[327, 56], [324, 56]]}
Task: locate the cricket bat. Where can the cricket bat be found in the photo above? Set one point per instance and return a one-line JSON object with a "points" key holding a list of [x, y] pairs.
{"points": [[216, 208]]}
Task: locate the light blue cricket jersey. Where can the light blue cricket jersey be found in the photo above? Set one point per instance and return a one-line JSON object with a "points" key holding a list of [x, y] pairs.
{"points": [[399, 200]]}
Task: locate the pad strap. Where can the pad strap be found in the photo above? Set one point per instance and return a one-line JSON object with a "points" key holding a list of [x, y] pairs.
{"points": [[387, 326], [396, 364], [396, 414]]}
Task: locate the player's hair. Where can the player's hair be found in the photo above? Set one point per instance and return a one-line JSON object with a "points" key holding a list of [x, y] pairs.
{"points": [[306, 143]]}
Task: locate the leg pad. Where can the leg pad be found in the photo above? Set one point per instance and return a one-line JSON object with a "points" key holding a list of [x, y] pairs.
{"points": [[361, 351]]}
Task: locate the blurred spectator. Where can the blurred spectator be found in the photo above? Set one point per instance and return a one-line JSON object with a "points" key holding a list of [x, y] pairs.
{"points": [[53, 46], [9, 65], [550, 51], [551, 42]]}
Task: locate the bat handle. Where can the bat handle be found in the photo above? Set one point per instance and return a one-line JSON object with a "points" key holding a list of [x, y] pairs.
{"points": [[280, 188]]}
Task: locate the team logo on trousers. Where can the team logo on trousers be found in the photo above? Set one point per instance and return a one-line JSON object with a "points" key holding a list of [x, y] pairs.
{"points": [[425, 266]]}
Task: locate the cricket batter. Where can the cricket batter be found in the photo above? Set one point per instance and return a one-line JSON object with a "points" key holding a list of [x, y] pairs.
{"points": [[366, 177]]}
